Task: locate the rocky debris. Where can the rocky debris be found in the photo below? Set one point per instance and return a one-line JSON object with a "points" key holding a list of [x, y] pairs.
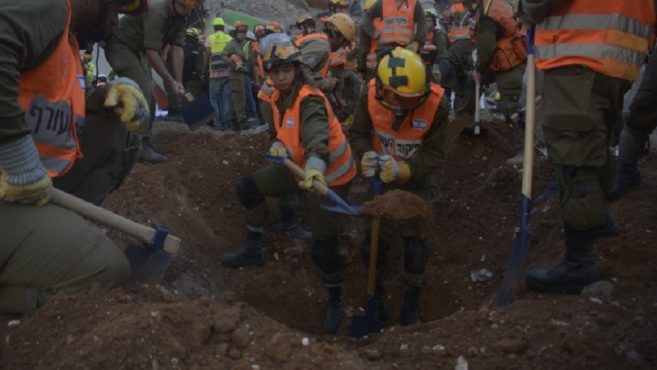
{"points": [[480, 275], [602, 288], [461, 363], [510, 346]]}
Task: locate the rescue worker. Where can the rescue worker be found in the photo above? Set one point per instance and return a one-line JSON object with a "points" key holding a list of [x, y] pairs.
{"points": [[434, 48], [638, 127], [401, 23], [337, 6], [238, 77], [587, 72], [401, 105], [46, 248], [219, 87], [258, 69], [89, 65], [193, 61], [306, 24], [134, 49], [306, 131], [367, 61], [502, 49]]}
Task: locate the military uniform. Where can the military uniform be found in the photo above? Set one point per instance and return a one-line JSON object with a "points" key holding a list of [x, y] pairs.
{"points": [[238, 82], [44, 249]]}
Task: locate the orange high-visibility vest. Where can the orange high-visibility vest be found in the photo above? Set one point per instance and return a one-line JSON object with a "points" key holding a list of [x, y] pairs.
{"points": [[458, 30], [260, 69], [429, 49], [341, 167], [403, 142], [372, 59], [511, 46], [299, 40], [338, 58], [52, 97], [398, 24], [611, 37]]}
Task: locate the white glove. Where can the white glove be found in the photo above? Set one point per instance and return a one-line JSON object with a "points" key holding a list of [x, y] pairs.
{"points": [[369, 163], [277, 149]]}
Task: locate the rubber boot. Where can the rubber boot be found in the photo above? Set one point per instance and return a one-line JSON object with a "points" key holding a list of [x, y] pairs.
{"points": [[575, 272], [333, 313], [631, 143], [251, 254], [410, 313], [148, 154]]}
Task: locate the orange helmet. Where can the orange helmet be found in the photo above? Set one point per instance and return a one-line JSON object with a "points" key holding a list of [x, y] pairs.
{"points": [[240, 26], [132, 6], [274, 27]]}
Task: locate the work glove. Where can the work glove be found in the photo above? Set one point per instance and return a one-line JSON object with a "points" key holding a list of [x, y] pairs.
{"points": [[369, 163], [393, 170], [314, 170], [413, 46], [23, 179], [125, 97], [277, 149]]}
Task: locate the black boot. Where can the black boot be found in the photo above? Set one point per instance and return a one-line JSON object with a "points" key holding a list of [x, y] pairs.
{"points": [[381, 305], [575, 272], [410, 313], [608, 230], [333, 314], [251, 254], [289, 226], [631, 144], [147, 153]]}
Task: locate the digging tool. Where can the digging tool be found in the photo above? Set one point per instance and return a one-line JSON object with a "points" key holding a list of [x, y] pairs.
{"points": [[147, 262], [197, 112], [339, 205], [476, 129], [521, 239]]}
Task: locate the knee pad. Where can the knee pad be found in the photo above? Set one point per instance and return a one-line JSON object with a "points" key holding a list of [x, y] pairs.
{"points": [[382, 254], [416, 255], [325, 256], [583, 203], [248, 194]]}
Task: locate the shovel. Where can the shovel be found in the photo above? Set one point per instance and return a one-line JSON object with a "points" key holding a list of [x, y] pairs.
{"points": [[197, 112], [339, 205], [476, 129], [148, 262], [521, 238]]}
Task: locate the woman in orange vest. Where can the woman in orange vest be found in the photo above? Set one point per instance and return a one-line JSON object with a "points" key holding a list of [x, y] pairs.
{"points": [[591, 51], [46, 248], [400, 132], [307, 132]]}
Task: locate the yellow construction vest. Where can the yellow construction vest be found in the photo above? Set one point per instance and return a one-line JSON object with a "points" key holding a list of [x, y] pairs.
{"points": [[218, 42]]}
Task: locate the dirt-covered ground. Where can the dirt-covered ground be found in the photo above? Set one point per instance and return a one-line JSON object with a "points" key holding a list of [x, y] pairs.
{"points": [[205, 316]]}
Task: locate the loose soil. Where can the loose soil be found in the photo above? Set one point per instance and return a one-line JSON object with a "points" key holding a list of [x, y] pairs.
{"points": [[205, 316]]}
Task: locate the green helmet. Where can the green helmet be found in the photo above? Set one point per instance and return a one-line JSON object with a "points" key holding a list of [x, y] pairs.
{"points": [[218, 22]]}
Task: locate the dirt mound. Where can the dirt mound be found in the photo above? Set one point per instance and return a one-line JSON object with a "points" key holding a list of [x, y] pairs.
{"points": [[473, 214], [396, 205]]}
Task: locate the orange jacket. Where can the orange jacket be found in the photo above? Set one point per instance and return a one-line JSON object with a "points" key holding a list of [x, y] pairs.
{"points": [[403, 142], [341, 168], [458, 30], [429, 50], [610, 37], [52, 97], [398, 24], [372, 59], [260, 69], [511, 47]]}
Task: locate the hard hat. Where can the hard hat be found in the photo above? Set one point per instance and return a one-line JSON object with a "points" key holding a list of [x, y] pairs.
{"points": [[193, 32], [368, 4], [403, 72], [240, 26], [343, 24], [305, 18], [340, 3], [219, 22], [278, 49], [258, 28], [102, 77], [191, 3], [132, 6], [431, 12], [274, 27]]}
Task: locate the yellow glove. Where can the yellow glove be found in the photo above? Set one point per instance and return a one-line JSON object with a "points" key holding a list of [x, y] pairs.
{"points": [[37, 193], [277, 149], [392, 170], [314, 170], [128, 103], [369, 163]]}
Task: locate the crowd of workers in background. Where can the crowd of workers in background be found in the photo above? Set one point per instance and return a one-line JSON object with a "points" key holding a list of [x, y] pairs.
{"points": [[339, 97]]}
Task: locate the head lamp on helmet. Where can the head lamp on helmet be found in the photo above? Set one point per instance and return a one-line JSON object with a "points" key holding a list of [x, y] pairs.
{"points": [[132, 6]]}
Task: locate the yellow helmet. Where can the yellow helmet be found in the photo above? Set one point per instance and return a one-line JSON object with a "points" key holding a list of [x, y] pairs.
{"points": [[403, 72], [368, 4], [278, 49], [343, 24], [218, 22]]}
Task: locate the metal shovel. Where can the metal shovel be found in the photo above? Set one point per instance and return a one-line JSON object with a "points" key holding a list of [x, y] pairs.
{"points": [[476, 129], [339, 205], [149, 261]]}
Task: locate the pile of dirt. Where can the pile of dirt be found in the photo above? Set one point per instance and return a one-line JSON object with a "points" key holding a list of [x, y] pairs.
{"points": [[473, 214], [396, 205]]}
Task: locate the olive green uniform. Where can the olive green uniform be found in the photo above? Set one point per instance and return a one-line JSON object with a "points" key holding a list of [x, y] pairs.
{"points": [[421, 182], [134, 35], [237, 81], [276, 180], [43, 249]]}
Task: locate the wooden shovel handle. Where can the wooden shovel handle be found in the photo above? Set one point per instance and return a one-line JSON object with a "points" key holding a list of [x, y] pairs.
{"points": [[323, 189], [111, 219]]}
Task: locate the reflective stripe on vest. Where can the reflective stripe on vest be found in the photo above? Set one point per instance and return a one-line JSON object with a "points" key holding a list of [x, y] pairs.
{"points": [[338, 58], [372, 59], [255, 47], [406, 141], [218, 42], [609, 37], [341, 167], [300, 39], [52, 97], [398, 24]]}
